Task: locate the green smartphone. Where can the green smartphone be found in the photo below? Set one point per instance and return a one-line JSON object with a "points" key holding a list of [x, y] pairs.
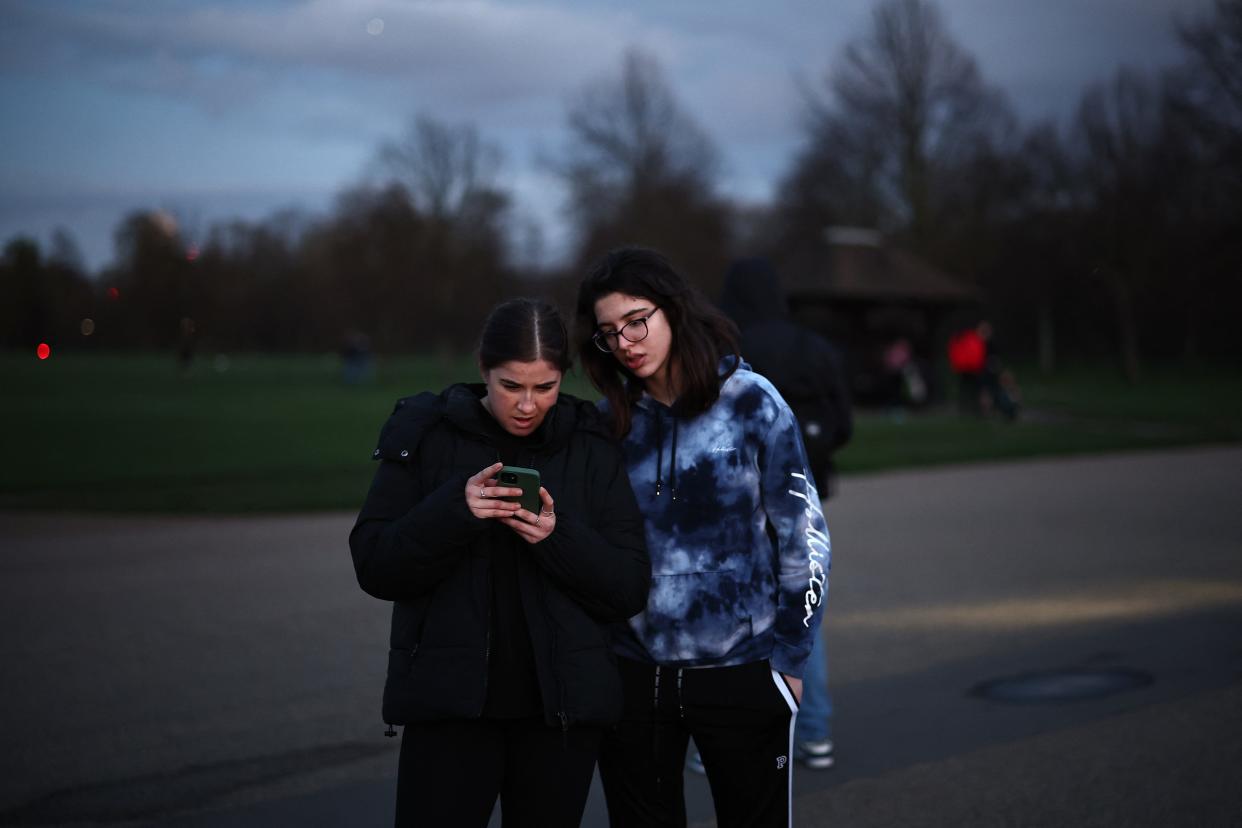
{"points": [[525, 479]]}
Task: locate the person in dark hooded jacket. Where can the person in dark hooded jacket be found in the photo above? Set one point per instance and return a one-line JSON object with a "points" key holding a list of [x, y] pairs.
{"points": [[499, 666], [808, 372], [805, 368]]}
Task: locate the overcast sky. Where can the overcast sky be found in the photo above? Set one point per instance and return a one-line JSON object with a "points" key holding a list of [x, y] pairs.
{"points": [[223, 108]]}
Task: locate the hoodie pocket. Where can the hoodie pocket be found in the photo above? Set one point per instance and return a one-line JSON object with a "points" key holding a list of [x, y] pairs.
{"points": [[694, 616], [784, 690]]}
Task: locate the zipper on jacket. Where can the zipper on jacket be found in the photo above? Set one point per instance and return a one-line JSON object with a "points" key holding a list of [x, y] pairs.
{"points": [[487, 644], [389, 730], [556, 672], [487, 663]]}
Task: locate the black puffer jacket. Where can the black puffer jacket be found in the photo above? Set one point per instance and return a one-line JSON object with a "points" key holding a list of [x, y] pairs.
{"points": [[416, 543]]}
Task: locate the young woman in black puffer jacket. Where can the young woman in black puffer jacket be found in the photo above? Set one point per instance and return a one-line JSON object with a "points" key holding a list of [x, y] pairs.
{"points": [[500, 667]]}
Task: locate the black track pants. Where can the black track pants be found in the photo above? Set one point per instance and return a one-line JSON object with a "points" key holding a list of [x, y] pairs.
{"points": [[742, 722], [451, 772]]}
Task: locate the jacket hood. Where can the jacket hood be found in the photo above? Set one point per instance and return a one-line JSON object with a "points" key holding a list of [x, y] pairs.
{"points": [[752, 293], [460, 405]]}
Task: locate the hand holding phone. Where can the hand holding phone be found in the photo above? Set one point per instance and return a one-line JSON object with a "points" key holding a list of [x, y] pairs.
{"points": [[533, 525], [486, 497]]}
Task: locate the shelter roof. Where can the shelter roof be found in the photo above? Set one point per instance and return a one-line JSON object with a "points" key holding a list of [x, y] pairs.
{"points": [[868, 271]]}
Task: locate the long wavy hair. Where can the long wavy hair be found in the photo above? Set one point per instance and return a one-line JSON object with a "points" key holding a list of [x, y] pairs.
{"points": [[701, 334]]}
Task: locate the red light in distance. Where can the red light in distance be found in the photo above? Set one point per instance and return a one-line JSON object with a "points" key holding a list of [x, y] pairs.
{"points": [[43, 351], [113, 293]]}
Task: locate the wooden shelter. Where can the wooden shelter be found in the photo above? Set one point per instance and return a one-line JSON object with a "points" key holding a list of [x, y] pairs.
{"points": [[869, 299]]}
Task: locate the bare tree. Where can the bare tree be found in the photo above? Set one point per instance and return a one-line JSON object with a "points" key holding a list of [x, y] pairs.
{"points": [[1215, 45], [639, 169], [833, 180], [155, 281], [46, 298], [1204, 103], [907, 110], [1122, 146], [1204, 98], [448, 170], [630, 130]]}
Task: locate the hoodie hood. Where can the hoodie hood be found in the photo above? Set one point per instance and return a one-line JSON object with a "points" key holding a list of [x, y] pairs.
{"points": [[752, 293]]}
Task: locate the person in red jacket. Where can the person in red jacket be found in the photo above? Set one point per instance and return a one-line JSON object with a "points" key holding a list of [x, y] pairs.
{"points": [[985, 383]]}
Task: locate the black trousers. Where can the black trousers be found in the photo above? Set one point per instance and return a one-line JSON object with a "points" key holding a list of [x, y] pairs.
{"points": [[451, 772], [742, 721]]}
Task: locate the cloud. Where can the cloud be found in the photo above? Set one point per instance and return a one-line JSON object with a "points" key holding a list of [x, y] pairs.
{"points": [[734, 65], [472, 52], [1046, 56]]}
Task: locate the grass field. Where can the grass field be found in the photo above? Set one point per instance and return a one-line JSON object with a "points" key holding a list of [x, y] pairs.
{"points": [[272, 434], [1081, 410]]}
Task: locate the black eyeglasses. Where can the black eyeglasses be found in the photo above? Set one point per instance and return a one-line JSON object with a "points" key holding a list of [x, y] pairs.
{"points": [[634, 331]]}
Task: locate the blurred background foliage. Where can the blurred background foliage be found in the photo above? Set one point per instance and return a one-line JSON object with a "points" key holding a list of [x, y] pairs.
{"points": [[1113, 240], [1115, 236]]}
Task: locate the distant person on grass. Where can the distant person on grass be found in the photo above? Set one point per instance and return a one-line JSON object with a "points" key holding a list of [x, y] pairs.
{"points": [[499, 667], [985, 382]]}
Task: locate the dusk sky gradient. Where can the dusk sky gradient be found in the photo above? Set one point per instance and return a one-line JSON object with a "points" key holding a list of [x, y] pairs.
{"points": [[223, 108]]}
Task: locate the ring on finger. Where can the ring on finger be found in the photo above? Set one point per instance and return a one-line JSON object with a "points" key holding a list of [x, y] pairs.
{"points": [[482, 493]]}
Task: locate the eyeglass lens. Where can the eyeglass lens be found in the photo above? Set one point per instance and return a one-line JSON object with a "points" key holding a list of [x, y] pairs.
{"points": [[635, 331]]}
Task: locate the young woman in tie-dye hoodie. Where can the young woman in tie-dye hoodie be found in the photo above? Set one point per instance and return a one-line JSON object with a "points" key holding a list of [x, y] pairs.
{"points": [[738, 543]]}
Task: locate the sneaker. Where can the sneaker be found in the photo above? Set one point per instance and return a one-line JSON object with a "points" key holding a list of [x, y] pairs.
{"points": [[816, 755], [694, 763]]}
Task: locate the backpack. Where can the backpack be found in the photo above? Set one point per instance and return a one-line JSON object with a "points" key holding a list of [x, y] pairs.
{"points": [[820, 402]]}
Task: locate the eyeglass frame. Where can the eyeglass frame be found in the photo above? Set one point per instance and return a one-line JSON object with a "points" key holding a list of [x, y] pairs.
{"points": [[599, 337]]}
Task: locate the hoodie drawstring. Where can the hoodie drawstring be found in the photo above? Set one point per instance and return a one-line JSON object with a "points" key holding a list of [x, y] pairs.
{"points": [[672, 466], [659, 470]]}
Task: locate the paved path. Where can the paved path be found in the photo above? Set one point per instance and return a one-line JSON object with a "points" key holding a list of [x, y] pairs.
{"points": [[212, 672]]}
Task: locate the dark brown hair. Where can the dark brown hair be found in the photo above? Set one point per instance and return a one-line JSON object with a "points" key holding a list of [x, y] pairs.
{"points": [[701, 334], [524, 330]]}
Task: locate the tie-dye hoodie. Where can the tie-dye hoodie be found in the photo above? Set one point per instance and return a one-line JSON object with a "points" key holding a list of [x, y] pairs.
{"points": [[725, 588]]}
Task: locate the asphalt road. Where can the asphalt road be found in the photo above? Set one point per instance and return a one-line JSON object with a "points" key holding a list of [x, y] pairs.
{"points": [[226, 672]]}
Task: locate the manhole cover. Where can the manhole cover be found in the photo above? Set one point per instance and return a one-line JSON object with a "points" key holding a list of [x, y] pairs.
{"points": [[1061, 685]]}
